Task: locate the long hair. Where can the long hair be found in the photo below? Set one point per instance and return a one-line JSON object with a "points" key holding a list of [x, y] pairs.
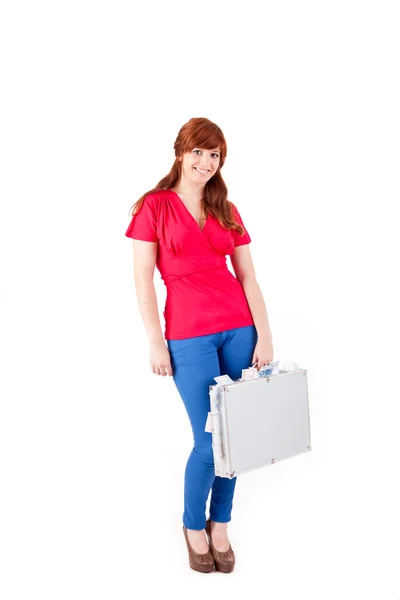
{"points": [[200, 133]]}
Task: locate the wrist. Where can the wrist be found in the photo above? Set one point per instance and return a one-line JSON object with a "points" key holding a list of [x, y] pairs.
{"points": [[157, 341]]}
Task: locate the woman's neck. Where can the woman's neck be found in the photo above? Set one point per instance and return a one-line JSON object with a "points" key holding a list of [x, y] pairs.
{"points": [[190, 190]]}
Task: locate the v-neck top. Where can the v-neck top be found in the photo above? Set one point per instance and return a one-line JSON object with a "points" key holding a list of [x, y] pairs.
{"points": [[203, 296]]}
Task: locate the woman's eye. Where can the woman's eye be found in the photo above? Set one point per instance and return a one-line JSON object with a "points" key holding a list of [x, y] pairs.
{"points": [[214, 153]]}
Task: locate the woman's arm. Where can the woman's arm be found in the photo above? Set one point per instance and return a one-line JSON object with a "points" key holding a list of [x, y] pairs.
{"points": [[145, 254], [257, 307], [244, 270]]}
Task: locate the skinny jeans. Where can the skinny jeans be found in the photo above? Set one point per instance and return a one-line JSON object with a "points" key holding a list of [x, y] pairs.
{"points": [[195, 361]]}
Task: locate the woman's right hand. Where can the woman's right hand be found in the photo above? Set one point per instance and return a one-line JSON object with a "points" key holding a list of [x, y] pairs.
{"points": [[160, 360]]}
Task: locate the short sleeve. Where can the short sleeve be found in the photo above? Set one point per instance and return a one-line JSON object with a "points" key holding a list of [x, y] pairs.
{"points": [[143, 225], [240, 240]]}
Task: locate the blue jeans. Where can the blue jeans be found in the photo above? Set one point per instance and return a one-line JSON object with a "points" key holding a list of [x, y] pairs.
{"points": [[195, 362]]}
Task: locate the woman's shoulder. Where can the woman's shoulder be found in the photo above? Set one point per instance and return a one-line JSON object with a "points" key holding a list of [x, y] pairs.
{"points": [[156, 197], [154, 200]]}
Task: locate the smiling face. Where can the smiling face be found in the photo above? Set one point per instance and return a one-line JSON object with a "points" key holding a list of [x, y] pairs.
{"points": [[200, 164]]}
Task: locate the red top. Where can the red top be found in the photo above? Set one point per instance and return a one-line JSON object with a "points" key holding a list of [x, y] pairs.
{"points": [[203, 296]]}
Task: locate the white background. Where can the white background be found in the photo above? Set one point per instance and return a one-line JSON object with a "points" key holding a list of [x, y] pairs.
{"points": [[93, 445]]}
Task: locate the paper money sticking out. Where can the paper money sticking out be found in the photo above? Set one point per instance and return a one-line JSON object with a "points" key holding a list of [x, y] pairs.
{"points": [[223, 379], [269, 369], [250, 373]]}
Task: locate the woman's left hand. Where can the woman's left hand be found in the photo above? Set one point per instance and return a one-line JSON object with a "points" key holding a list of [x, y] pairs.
{"points": [[263, 352]]}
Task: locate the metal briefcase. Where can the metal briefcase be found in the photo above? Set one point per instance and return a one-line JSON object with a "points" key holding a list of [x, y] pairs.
{"points": [[258, 422]]}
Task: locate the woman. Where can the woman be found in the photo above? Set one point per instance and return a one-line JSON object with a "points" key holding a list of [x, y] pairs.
{"points": [[215, 323]]}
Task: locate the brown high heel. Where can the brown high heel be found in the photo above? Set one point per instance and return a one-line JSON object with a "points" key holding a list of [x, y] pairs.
{"points": [[224, 561], [199, 562]]}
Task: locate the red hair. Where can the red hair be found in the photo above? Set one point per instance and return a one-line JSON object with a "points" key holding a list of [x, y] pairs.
{"points": [[200, 133]]}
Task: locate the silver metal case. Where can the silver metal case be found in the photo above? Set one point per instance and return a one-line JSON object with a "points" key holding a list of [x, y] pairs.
{"points": [[259, 422]]}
